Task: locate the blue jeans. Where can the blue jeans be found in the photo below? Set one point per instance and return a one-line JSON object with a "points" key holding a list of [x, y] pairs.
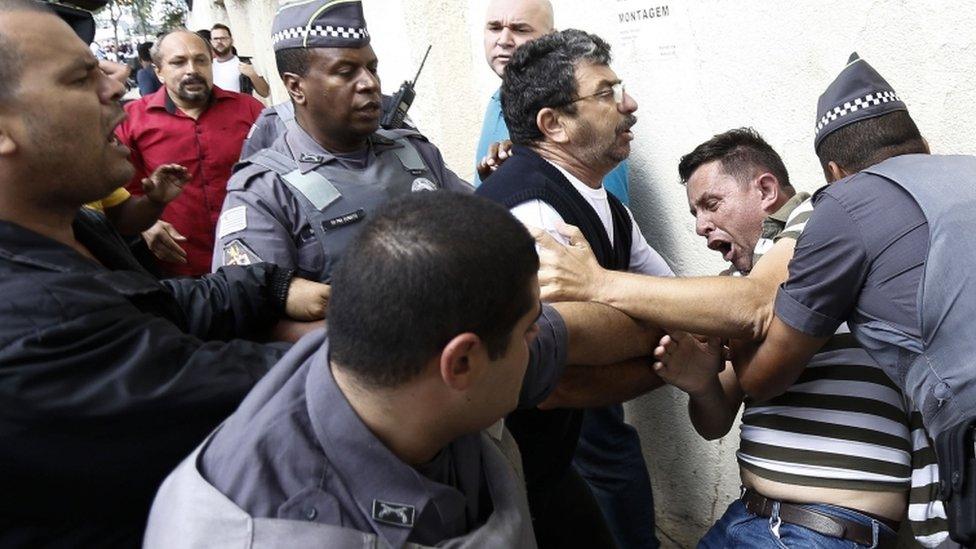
{"points": [[609, 458], [740, 528]]}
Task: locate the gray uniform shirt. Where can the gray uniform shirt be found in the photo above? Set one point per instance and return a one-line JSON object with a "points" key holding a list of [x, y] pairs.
{"points": [[862, 253], [262, 220], [296, 449]]}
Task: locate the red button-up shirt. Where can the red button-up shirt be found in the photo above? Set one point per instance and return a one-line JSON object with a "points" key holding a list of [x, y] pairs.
{"points": [[159, 133]]}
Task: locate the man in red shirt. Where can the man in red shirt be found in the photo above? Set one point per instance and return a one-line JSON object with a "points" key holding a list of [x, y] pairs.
{"points": [[201, 127]]}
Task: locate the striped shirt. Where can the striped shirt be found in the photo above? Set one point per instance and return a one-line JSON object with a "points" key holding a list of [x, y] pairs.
{"points": [[843, 424]]}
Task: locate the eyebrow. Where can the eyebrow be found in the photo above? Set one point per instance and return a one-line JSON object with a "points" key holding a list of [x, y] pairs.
{"points": [[82, 64]]}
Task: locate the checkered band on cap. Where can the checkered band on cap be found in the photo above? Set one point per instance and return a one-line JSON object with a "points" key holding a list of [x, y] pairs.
{"points": [[854, 105], [326, 31]]}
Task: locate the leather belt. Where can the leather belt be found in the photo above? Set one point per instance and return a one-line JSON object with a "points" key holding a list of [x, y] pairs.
{"points": [[821, 523]]}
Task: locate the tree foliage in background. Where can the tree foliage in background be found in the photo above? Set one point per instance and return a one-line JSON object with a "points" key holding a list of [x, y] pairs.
{"points": [[170, 14], [174, 14]]}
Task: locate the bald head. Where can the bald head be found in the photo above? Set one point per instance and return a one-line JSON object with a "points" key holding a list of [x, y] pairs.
{"points": [[179, 35], [511, 23]]}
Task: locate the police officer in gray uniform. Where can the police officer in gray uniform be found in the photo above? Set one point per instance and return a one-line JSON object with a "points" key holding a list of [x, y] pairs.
{"points": [[276, 119], [298, 203], [386, 431]]}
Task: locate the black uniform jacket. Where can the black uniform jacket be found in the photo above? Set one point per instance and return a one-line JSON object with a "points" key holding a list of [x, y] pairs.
{"points": [[109, 377]]}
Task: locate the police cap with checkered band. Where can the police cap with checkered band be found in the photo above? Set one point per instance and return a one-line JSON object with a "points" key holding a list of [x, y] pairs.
{"points": [[320, 24], [858, 93]]}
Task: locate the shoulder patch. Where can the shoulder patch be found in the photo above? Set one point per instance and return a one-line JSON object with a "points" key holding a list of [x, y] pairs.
{"points": [[232, 221], [397, 514], [236, 252]]}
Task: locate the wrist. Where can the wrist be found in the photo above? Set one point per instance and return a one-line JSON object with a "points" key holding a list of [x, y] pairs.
{"points": [[711, 387], [278, 288]]}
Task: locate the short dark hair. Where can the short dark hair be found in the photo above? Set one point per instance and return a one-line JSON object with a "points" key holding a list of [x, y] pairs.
{"points": [[422, 271], [222, 27], [293, 60], [205, 34], [742, 152], [11, 58], [542, 73], [143, 50], [866, 142]]}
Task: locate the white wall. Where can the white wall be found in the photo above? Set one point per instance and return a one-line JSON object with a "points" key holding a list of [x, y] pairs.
{"points": [[704, 67]]}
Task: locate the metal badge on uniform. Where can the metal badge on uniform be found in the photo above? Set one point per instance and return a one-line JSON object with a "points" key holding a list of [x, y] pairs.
{"points": [[397, 514], [343, 220], [236, 252], [309, 157], [423, 184]]}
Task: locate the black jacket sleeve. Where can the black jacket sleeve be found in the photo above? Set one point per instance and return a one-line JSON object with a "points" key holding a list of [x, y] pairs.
{"points": [[234, 302], [101, 399]]}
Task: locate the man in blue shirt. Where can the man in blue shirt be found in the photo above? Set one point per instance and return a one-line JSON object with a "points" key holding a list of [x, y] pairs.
{"points": [[509, 24]]}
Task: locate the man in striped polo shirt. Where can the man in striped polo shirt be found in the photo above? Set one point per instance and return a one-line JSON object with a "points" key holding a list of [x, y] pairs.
{"points": [[728, 306], [829, 461]]}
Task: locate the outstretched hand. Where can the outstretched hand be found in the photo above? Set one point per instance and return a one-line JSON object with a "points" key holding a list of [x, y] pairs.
{"points": [[567, 272], [688, 362], [165, 183]]}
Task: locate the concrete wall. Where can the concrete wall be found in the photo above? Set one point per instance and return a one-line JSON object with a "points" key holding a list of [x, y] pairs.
{"points": [[696, 68]]}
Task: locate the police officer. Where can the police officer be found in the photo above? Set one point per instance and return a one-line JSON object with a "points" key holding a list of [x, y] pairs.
{"points": [[370, 437], [274, 120], [299, 202]]}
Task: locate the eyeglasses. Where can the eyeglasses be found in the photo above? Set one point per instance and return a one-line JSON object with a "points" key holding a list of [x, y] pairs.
{"points": [[617, 91]]}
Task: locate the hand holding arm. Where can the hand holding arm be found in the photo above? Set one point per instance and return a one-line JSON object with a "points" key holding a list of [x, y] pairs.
{"points": [[696, 368], [497, 154], [307, 300]]}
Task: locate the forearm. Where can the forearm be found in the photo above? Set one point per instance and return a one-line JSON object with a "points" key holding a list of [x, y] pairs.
{"points": [[260, 85], [135, 215], [599, 334], [711, 412], [594, 386], [717, 306], [234, 302]]}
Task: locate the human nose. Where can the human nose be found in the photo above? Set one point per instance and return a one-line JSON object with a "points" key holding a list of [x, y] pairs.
{"points": [[369, 81], [110, 89], [703, 225], [628, 105], [505, 37]]}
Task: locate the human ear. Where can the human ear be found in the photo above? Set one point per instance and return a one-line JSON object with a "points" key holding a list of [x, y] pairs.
{"points": [[459, 361]]}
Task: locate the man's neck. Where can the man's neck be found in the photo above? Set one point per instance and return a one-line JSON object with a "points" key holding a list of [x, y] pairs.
{"points": [[55, 224], [325, 141], [591, 176], [226, 57], [193, 110], [396, 417]]}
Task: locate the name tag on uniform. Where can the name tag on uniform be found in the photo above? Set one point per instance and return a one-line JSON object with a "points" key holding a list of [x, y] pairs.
{"points": [[397, 514], [343, 220]]}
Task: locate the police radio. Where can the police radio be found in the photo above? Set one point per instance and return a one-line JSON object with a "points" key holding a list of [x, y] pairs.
{"points": [[393, 119]]}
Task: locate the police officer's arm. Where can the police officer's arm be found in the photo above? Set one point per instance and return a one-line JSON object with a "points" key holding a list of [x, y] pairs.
{"points": [[595, 386], [826, 275], [252, 226], [435, 161], [578, 333]]}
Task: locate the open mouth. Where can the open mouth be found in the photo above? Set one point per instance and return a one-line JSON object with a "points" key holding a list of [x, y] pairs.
{"points": [[722, 247]]}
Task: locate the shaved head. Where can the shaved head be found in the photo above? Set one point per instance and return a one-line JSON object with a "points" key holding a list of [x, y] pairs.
{"points": [[511, 23], [11, 59]]}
